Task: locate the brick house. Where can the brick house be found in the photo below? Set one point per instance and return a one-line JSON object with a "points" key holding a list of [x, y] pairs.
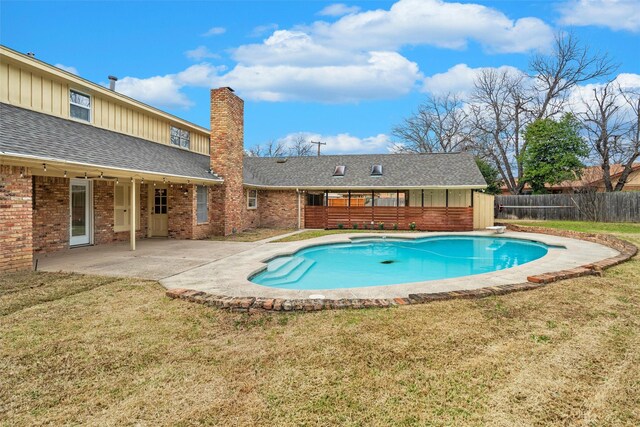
{"points": [[81, 164]]}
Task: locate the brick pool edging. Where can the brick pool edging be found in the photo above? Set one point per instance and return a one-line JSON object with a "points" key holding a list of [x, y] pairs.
{"points": [[254, 304]]}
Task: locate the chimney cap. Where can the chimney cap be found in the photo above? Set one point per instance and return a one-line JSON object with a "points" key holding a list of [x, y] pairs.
{"points": [[228, 88], [114, 78]]}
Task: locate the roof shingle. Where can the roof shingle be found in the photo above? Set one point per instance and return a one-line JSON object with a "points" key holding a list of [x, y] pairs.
{"points": [[26, 132], [399, 171]]}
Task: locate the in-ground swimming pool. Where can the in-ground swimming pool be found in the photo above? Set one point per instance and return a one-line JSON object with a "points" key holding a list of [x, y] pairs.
{"points": [[388, 261]]}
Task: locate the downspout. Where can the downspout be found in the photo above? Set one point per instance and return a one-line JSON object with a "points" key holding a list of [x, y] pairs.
{"points": [[299, 215]]}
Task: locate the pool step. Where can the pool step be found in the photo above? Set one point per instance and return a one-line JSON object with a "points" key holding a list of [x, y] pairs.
{"points": [[280, 267], [288, 273]]}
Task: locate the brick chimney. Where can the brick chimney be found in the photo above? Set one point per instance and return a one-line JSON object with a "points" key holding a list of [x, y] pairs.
{"points": [[227, 151]]}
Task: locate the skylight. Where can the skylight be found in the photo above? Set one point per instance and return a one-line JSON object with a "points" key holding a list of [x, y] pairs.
{"points": [[376, 170], [339, 170]]}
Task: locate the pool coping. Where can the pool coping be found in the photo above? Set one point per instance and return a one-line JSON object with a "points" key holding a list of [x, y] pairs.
{"points": [[625, 251]]}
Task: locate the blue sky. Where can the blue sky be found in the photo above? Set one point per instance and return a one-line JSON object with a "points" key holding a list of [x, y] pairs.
{"points": [[342, 72]]}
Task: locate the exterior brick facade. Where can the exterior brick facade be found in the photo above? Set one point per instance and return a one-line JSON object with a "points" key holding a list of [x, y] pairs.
{"points": [[227, 151], [50, 214], [103, 199], [279, 208], [16, 219]]}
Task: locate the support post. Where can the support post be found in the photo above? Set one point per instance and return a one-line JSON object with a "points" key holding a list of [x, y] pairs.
{"points": [[132, 216], [299, 219]]}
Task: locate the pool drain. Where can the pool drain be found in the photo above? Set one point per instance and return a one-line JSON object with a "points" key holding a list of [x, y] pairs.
{"points": [[388, 261]]}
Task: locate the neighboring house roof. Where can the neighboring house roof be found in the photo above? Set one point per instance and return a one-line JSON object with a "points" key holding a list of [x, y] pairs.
{"points": [[28, 133], [398, 171], [592, 176]]}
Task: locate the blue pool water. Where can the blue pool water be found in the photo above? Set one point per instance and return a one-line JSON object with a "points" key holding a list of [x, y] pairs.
{"points": [[386, 261]]}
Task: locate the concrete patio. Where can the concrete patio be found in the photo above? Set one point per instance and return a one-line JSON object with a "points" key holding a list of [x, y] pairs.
{"points": [[153, 259], [223, 267]]}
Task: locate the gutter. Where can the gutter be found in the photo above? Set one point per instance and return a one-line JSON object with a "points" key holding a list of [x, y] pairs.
{"points": [[55, 161]]}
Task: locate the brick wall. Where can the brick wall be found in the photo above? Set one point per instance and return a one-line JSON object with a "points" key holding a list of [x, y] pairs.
{"points": [[180, 207], [103, 199], [16, 216], [279, 208], [50, 214], [227, 151]]}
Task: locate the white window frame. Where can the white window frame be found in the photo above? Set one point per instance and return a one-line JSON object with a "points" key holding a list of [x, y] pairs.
{"points": [[179, 145], [81, 106], [254, 198], [206, 205]]}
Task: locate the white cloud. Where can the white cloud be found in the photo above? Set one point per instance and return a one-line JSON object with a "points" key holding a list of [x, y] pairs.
{"points": [[344, 143], [165, 91], [200, 53], [383, 75], [338, 9], [458, 80], [356, 57], [263, 29], [613, 14], [215, 31], [285, 47], [160, 91], [436, 23], [585, 93], [68, 69]]}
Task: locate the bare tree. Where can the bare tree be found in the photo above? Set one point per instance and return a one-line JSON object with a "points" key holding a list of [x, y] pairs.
{"points": [[270, 149], [610, 118], [300, 147], [569, 64], [498, 115], [439, 126]]}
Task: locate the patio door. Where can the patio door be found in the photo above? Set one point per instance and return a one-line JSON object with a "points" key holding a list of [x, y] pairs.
{"points": [[159, 217], [80, 218]]}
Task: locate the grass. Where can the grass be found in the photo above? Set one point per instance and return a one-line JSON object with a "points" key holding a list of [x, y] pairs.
{"points": [[311, 234], [253, 235], [101, 351], [583, 226]]}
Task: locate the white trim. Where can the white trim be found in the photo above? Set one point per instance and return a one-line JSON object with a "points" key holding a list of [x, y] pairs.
{"points": [[249, 190], [80, 240], [376, 187], [81, 106]]}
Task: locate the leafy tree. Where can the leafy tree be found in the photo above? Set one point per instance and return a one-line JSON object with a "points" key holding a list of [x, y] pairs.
{"points": [[554, 150], [491, 175]]}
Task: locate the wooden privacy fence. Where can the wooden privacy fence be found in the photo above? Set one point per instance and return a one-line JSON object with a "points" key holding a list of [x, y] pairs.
{"points": [[429, 218], [602, 207]]}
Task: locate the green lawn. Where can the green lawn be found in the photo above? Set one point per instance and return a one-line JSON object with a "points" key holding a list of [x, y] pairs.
{"points": [[102, 351]]}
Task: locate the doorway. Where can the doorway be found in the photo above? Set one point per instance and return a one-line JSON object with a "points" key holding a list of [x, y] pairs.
{"points": [[159, 216], [80, 227]]}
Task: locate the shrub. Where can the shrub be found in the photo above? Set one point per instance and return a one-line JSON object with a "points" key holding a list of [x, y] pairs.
{"points": [[412, 226], [381, 225], [355, 226], [395, 226], [340, 226]]}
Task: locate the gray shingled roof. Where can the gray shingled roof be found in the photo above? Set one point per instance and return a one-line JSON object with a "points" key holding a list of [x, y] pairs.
{"points": [[399, 171], [26, 132]]}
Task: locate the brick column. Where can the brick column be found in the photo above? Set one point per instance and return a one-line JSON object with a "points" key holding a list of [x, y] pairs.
{"points": [[227, 151], [16, 219]]}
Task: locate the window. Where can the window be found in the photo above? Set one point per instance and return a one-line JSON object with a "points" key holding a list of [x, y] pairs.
{"points": [[122, 206], [252, 199], [180, 137], [339, 170], [315, 199], [79, 106], [376, 170], [390, 199], [203, 200]]}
